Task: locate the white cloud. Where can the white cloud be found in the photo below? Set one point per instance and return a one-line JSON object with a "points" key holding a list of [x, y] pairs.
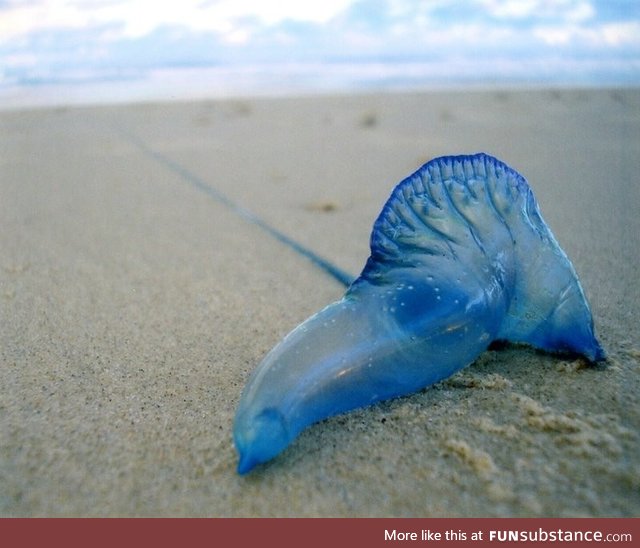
{"points": [[274, 11], [139, 17], [610, 34], [574, 10], [617, 34], [21, 18]]}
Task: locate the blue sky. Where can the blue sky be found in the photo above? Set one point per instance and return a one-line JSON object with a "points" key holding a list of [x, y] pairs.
{"points": [[525, 41]]}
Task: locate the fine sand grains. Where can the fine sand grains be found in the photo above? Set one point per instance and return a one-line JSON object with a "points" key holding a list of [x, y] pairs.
{"points": [[134, 304]]}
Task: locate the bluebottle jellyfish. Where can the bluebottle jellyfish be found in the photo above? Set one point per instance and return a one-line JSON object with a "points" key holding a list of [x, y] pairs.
{"points": [[460, 257]]}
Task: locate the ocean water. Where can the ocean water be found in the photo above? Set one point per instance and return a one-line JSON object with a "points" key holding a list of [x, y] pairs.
{"points": [[293, 79]]}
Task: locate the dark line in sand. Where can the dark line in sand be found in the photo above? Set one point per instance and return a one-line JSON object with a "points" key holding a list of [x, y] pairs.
{"points": [[329, 268]]}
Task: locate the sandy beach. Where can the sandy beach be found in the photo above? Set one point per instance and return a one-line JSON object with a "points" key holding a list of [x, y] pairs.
{"points": [[134, 305]]}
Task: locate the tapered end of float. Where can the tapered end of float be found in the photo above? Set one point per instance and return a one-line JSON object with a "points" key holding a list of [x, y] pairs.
{"points": [[259, 439], [246, 463]]}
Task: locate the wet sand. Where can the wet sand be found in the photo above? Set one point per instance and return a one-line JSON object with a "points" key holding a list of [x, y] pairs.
{"points": [[134, 305]]}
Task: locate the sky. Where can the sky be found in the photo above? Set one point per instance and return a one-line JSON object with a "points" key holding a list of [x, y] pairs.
{"points": [[355, 43]]}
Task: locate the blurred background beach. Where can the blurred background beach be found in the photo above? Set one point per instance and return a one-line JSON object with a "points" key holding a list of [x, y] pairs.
{"points": [[135, 301], [95, 51]]}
